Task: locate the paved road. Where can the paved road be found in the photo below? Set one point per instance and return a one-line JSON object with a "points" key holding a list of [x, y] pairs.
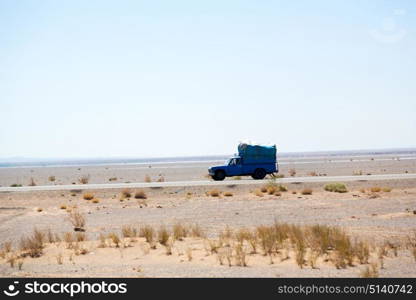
{"points": [[204, 183]]}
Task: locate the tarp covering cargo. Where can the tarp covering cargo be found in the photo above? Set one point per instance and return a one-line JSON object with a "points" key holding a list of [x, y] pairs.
{"points": [[257, 153]]}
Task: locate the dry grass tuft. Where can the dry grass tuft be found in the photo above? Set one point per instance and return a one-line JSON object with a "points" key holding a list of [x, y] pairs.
{"points": [[63, 206], [228, 194], [180, 231], [263, 189], [147, 178], [140, 194], [95, 200], [148, 233], [51, 178], [196, 231], [370, 271], [115, 239], [129, 231], [386, 189], [163, 235], [33, 245], [240, 255]]}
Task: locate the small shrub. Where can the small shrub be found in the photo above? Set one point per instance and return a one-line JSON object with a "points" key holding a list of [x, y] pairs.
{"points": [[16, 185], [282, 188], [88, 196], [228, 194], [126, 193], [214, 193], [179, 231], [292, 172], [140, 194], [362, 190], [112, 179], [161, 178], [307, 191], [77, 220], [147, 178], [278, 194], [258, 193], [39, 209], [80, 237], [386, 189], [313, 173], [336, 187], [51, 178], [263, 189], [375, 189], [32, 182], [63, 206], [84, 179], [271, 190], [95, 200], [237, 177]]}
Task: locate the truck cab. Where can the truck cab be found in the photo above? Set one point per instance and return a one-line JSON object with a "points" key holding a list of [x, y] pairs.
{"points": [[254, 160]]}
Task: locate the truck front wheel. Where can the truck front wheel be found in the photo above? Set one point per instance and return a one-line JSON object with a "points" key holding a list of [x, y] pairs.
{"points": [[219, 175], [259, 174]]}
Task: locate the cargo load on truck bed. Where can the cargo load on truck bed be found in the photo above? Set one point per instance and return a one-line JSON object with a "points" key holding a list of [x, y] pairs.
{"points": [[257, 153]]}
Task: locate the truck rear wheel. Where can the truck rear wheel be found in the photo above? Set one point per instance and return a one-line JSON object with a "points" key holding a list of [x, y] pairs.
{"points": [[219, 175], [259, 174]]}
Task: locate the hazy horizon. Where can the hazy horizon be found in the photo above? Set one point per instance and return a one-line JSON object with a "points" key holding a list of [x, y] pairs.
{"points": [[88, 79]]}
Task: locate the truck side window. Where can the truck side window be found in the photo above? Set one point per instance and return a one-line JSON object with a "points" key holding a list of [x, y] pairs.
{"points": [[238, 161]]}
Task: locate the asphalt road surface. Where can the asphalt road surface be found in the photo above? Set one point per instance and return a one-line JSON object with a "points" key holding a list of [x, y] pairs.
{"points": [[205, 183]]}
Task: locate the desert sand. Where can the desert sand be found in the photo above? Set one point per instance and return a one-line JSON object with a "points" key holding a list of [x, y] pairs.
{"points": [[384, 219]]}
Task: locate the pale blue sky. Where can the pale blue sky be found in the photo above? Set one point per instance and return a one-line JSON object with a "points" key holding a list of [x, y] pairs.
{"points": [[173, 78]]}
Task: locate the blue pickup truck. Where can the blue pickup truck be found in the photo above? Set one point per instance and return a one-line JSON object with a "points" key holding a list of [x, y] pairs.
{"points": [[254, 160]]}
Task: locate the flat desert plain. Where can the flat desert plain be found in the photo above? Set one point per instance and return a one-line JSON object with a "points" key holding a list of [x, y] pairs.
{"points": [[366, 229]]}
